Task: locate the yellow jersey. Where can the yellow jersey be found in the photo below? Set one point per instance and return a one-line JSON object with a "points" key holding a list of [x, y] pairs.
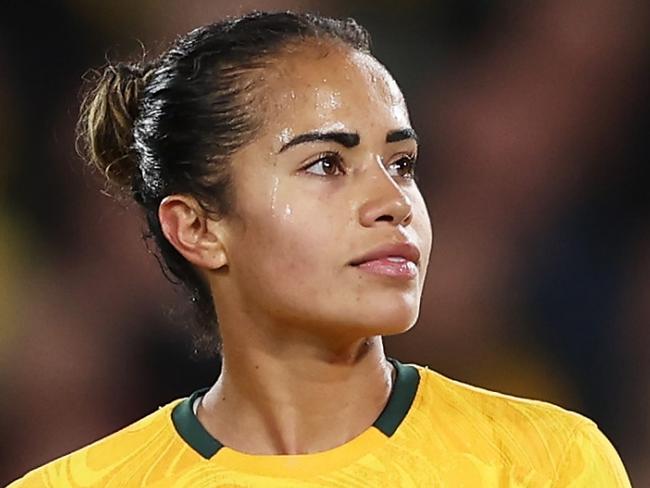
{"points": [[433, 432]]}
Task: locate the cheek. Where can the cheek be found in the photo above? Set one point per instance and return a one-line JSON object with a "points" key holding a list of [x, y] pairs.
{"points": [[286, 241], [422, 225]]}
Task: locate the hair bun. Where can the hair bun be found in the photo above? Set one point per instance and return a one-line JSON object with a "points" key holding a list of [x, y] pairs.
{"points": [[105, 129]]}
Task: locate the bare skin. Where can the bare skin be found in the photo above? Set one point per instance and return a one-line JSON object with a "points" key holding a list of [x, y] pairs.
{"points": [[303, 362]]}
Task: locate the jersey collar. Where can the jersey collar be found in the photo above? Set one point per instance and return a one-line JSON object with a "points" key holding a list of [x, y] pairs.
{"points": [[399, 402]]}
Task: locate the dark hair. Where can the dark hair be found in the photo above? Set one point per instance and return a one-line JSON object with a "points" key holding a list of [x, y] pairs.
{"points": [[170, 125]]}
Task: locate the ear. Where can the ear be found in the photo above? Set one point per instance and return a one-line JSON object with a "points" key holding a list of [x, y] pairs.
{"points": [[193, 233]]}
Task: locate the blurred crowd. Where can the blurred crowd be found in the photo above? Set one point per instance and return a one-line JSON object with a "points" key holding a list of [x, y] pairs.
{"points": [[533, 119]]}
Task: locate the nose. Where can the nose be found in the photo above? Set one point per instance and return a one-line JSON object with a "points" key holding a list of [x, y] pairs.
{"points": [[384, 201]]}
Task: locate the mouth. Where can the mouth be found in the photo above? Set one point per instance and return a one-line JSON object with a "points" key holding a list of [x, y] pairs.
{"points": [[392, 260], [390, 267]]}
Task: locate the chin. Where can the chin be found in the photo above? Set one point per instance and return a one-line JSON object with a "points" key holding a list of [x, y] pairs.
{"points": [[389, 329], [387, 321]]}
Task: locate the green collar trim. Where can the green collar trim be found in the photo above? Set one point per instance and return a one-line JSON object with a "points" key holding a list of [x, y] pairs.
{"points": [[401, 398], [191, 430]]}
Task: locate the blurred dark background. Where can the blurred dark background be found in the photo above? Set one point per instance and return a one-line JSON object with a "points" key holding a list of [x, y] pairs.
{"points": [[534, 121]]}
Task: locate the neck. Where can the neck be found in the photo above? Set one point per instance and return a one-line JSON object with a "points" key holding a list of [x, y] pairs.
{"points": [[296, 398]]}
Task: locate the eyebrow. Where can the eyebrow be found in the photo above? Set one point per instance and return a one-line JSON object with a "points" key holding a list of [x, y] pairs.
{"points": [[401, 134], [346, 139]]}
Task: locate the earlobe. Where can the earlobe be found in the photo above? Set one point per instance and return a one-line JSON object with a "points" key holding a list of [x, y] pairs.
{"points": [[192, 233]]}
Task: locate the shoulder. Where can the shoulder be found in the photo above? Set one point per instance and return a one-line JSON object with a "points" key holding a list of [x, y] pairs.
{"points": [[95, 463], [529, 433], [479, 405], [590, 459]]}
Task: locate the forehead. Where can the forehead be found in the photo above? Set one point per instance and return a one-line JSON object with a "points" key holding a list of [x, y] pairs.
{"points": [[333, 88]]}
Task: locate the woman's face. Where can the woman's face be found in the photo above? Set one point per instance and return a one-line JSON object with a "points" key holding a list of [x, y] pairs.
{"points": [[328, 184]]}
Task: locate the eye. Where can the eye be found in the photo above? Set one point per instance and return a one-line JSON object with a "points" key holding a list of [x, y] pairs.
{"points": [[328, 164], [404, 167]]}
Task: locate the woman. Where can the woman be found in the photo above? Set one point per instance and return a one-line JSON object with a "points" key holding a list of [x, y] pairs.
{"points": [[274, 159]]}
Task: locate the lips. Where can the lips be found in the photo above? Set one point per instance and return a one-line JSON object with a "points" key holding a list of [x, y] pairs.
{"points": [[396, 253]]}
